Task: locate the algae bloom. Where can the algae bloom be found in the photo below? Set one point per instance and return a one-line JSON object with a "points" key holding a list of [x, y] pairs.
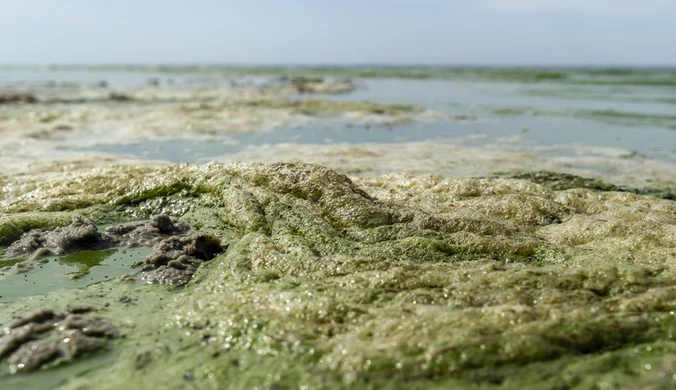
{"points": [[384, 282], [409, 227]]}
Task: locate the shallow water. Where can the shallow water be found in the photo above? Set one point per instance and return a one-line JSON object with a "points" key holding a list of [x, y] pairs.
{"points": [[75, 270], [517, 116], [538, 135], [639, 119], [439, 94]]}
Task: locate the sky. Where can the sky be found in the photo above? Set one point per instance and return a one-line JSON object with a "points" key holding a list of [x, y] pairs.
{"points": [[454, 32]]}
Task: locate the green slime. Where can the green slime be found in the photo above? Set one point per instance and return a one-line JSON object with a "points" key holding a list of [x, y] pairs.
{"points": [[386, 282]]}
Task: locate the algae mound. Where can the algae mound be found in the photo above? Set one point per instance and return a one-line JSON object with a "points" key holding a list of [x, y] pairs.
{"points": [[17, 98], [393, 281]]}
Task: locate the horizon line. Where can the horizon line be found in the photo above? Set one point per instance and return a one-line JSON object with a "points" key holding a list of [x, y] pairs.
{"points": [[335, 64]]}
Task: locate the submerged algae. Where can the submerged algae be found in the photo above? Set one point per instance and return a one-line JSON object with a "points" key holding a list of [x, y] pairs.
{"points": [[393, 281], [319, 85], [607, 116], [314, 107]]}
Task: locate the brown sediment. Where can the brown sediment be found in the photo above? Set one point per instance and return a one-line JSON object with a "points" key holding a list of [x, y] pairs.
{"points": [[175, 260], [83, 234], [46, 338], [321, 85], [17, 98]]}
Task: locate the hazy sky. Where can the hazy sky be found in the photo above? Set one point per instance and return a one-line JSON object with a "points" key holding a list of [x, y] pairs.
{"points": [[609, 32]]}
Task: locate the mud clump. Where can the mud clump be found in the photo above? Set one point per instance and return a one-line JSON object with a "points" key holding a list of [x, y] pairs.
{"points": [[173, 261], [319, 85], [146, 233], [45, 338], [120, 97], [111, 97], [83, 234], [80, 234], [17, 98], [564, 181]]}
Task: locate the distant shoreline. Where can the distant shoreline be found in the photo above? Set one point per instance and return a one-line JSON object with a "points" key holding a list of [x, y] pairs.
{"points": [[582, 74]]}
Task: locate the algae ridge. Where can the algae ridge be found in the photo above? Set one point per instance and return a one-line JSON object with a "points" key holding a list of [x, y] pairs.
{"points": [[384, 282]]}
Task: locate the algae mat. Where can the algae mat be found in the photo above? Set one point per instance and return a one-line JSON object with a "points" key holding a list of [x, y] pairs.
{"points": [[386, 282]]}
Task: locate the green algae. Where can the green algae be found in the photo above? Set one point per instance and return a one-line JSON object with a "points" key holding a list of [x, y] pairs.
{"points": [[388, 282], [562, 181], [607, 116], [12, 226], [576, 94], [310, 107], [117, 302], [315, 107], [631, 116]]}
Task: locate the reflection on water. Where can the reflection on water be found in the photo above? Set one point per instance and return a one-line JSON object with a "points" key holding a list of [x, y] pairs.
{"points": [[22, 277], [513, 133]]}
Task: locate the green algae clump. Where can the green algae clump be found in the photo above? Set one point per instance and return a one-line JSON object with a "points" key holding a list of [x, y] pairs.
{"points": [[394, 281], [315, 107], [12, 226]]}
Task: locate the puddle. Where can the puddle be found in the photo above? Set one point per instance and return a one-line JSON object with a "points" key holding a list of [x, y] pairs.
{"points": [[463, 95], [525, 134], [75, 270], [201, 151], [168, 150]]}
